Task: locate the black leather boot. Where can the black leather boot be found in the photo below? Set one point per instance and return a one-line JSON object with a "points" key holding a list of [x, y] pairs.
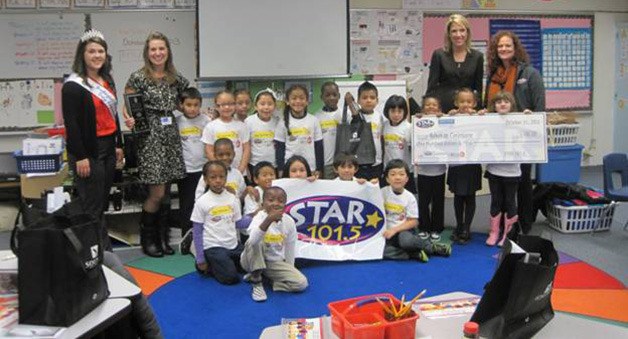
{"points": [[164, 228], [150, 238]]}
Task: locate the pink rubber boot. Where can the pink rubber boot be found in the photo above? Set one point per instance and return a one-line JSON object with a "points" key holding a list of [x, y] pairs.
{"points": [[507, 227], [493, 233]]}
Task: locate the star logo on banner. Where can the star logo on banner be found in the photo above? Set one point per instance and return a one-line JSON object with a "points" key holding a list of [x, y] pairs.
{"points": [[373, 220]]}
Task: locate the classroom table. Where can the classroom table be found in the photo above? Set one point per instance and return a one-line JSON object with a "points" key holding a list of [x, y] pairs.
{"points": [[110, 311], [562, 326]]}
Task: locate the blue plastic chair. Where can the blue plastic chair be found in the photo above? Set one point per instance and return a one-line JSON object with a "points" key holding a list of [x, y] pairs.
{"points": [[616, 163]]}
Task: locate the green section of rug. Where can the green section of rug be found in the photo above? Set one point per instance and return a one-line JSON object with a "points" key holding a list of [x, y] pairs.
{"points": [[170, 265]]}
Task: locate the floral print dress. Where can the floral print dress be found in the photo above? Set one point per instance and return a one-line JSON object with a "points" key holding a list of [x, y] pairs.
{"points": [[159, 153]]}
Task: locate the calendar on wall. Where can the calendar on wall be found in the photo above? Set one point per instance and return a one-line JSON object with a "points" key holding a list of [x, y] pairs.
{"points": [[567, 58]]}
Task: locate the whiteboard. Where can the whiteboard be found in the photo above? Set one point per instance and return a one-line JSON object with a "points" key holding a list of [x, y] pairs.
{"points": [[38, 46], [385, 88], [125, 33], [273, 38]]}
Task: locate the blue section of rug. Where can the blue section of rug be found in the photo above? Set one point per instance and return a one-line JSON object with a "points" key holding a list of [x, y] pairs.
{"points": [[193, 306]]}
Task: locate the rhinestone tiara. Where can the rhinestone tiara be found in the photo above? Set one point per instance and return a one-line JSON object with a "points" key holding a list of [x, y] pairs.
{"points": [[92, 33]]}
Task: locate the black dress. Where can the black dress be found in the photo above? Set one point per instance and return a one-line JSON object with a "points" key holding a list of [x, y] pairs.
{"points": [[447, 76], [464, 179]]}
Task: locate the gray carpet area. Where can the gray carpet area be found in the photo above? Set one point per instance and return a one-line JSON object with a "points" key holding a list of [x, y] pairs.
{"points": [[605, 250]]}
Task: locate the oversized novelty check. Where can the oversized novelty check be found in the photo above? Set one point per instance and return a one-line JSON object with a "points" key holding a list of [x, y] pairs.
{"points": [[490, 138]]}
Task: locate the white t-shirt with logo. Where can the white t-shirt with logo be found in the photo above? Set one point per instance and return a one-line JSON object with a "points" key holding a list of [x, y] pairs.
{"points": [[397, 141], [218, 213], [329, 124], [190, 131], [262, 135], [236, 131], [279, 240], [399, 207], [303, 133]]}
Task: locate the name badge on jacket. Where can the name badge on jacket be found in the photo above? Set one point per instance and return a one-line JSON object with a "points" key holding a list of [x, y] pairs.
{"points": [[165, 121]]}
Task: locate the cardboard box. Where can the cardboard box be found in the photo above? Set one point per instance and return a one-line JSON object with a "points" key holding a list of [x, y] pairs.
{"points": [[33, 187]]}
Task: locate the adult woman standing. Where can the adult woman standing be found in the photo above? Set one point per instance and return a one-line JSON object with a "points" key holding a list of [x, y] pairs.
{"points": [[510, 71], [160, 159], [455, 65], [92, 128]]}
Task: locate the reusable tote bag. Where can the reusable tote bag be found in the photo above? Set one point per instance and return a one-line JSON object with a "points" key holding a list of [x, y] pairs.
{"points": [[517, 301], [356, 137], [60, 275]]}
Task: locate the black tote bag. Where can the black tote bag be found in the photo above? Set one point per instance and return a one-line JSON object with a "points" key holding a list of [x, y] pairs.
{"points": [[60, 275], [356, 138], [517, 301]]}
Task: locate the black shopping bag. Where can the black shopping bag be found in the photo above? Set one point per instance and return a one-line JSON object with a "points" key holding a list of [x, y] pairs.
{"points": [[517, 301], [60, 275], [356, 138]]}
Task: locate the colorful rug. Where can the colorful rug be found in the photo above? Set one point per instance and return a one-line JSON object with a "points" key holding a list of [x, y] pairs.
{"points": [[187, 304]]}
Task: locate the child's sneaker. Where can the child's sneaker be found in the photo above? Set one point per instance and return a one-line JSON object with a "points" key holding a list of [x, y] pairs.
{"points": [[424, 235], [435, 236], [443, 250], [421, 256], [186, 243], [258, 293]]}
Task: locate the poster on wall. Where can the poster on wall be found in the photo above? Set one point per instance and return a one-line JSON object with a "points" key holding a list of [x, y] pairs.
{"points": [[385, 41], [27, 103]]}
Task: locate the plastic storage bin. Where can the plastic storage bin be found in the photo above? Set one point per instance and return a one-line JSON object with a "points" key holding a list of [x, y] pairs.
{"points": [[580, 219], [363, 317], [563, 165], [45, 163], [562, 135]]}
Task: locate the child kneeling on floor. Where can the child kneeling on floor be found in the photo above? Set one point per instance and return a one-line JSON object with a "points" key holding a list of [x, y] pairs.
{"points": [[402, 239], [269, 251]]}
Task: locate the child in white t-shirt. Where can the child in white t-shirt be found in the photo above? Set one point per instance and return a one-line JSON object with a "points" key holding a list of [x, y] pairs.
{"points": [[262, 126], [300, 133], [328, 118], [191, 124], [270, 249], [397, 133], [226, 127], [223, 150], [213, 218], [346, 166], [402, 240]]}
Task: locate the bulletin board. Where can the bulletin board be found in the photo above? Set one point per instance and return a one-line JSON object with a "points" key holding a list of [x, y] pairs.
{"points": [[560, 48]]}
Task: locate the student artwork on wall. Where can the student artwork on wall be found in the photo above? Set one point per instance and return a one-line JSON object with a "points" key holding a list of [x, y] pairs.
{"points": [[560, 48], [385, 41], [27, 103]]}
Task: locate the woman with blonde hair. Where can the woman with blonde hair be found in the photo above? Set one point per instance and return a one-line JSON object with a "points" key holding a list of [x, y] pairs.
{"points": [[455, 65], [160, 159]]}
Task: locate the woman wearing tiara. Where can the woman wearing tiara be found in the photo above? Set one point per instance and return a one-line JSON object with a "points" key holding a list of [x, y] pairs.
{"points": [[160, 157], [94, 145], [91, 122]]}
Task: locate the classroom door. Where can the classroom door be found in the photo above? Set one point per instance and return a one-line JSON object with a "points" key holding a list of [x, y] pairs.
{"points": [[620, 107]]}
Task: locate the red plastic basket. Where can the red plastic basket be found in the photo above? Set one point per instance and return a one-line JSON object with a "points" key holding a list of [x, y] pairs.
{"points": [[364, 318]]}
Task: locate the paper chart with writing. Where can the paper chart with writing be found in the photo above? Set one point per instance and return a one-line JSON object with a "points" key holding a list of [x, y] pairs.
{"points": [[21, 3], [567, 58], [386, 41], [122, 3], [89, 3], [26, 103], [54, 3], [154, 3], [431, 4]]}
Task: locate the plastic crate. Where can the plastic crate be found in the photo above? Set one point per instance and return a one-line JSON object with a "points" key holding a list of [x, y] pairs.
{"points": [[563, 165], [562, 135], [363, 317], [580, 219], [44, 163]]}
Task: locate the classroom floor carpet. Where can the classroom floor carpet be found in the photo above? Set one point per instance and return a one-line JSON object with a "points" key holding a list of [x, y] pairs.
{"points": [[189, 305]]}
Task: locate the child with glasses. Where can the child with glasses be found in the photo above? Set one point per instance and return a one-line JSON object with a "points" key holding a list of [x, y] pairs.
{"points": [[226, 127]]}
